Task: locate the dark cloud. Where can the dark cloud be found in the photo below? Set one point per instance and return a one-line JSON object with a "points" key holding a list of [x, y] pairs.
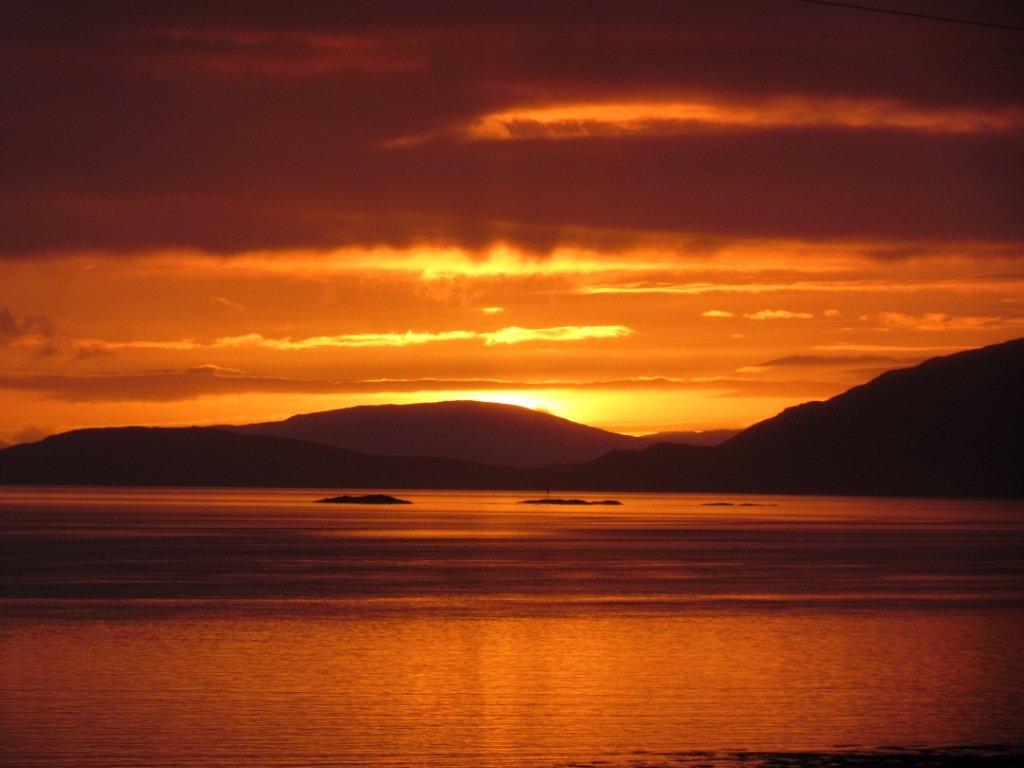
{"points": [[158, 386], [788, 183], [227, 127], [42, 330], [733, 45]]}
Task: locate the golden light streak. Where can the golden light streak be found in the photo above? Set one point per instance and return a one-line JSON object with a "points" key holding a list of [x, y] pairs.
{"points": [[100, 345], [430, 263], [942, 321], [939, 349], [355, 340], [503, 336], [670, 265], [777, 314], [516, 335], [762, 314], [841, 284]]}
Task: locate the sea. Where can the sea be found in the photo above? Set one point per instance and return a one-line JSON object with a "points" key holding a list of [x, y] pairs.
{"points": [[238, 627]]}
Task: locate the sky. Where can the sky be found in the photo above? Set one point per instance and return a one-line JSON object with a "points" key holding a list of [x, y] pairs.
{"points": [[643, 216]]}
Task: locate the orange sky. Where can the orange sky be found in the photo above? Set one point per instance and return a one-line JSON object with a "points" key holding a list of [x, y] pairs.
{"points": [[642, 221]]}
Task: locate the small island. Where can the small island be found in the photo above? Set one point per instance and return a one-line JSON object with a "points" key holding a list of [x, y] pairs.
{"points": [[735, 504], [572, 502], [371, 498]]}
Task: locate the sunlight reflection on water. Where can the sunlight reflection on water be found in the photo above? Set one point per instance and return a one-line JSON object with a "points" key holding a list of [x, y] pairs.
{"points": [[217, 628]]}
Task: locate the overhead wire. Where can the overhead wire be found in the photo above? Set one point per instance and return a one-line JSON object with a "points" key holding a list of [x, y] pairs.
{"points": [[913, 14]]}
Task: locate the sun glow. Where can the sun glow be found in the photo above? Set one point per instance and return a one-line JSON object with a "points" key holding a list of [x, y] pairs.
{"points": [[545, 402]]}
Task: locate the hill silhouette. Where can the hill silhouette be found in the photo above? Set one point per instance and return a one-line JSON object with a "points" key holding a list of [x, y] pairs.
{"points": [[709, 437], [951, 426], [206, 456], [492, 433]]}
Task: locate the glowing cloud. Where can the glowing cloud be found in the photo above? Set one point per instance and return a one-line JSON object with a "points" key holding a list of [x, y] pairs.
{"points": [[409, 338], [101, 345], [515, 335], [576, 120], [777, 314]]}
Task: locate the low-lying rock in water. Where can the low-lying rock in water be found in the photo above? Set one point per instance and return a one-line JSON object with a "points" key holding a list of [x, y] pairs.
{"points": [[571, 502], [371, 498], [735, 504]]}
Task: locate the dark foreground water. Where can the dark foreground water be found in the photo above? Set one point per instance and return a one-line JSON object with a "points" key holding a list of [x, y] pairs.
{"points": [[236, 628]]}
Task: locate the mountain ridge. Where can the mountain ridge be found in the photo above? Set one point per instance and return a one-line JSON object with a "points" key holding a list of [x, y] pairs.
{"points": [[489, 433], [210, 456], [950, 426], [470, 430], [706, 437]]}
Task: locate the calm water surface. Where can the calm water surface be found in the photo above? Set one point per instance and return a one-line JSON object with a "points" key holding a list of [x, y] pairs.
{"points": [[224, 628]]}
